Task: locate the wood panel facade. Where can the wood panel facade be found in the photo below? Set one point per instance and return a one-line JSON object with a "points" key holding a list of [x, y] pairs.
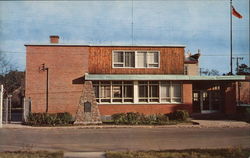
{"points": [[171, 60]]}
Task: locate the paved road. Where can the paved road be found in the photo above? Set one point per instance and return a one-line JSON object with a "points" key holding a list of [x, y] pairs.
{"points": [[122, 138]]}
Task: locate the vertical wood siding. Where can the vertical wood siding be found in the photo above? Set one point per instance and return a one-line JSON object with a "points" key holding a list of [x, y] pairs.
{"points": [[171, 61]]}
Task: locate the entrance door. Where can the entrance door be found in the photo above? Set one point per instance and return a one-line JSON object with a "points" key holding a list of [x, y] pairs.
{"points": [[204, 101]]}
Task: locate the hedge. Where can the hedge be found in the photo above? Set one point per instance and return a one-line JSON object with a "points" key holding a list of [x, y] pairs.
{"points": [[132, 118], [179, 115], [45, 119]]}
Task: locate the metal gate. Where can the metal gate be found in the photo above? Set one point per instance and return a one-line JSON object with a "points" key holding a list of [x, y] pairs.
{"points": [[13, 114]]}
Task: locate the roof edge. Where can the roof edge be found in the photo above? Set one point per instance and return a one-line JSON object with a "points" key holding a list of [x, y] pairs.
{"points": [[93, 45], [162, 77]]}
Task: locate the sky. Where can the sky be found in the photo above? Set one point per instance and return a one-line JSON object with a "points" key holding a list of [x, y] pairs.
{"points": [[197, 24]]}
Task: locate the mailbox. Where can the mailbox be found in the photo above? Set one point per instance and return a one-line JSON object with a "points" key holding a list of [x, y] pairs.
{"points": [[87, 107]]}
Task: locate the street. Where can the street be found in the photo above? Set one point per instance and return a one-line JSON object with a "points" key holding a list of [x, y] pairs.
{"points": [[77, 139]]}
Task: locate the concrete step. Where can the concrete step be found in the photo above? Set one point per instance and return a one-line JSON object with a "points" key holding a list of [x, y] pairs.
{"points": [[84, 155]]}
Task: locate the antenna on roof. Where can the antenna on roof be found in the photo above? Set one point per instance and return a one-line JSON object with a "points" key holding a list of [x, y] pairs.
{"points": [[132, 23], [199, 51]]}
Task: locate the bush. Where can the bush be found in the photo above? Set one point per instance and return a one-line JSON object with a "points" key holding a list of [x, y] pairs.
{"points": [[179, 115], [119, 118], [45, 119], [132, 118], [126, 118]]}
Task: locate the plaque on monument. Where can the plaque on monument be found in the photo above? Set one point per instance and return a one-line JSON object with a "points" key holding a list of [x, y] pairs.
{"points": [[87, 107]]}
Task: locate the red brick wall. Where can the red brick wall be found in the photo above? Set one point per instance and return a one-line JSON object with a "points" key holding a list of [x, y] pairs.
{"points": [[230, 99], [65, 65], [110, 109], [245, 92]]}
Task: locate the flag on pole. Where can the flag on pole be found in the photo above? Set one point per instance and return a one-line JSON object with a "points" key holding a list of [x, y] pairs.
{"points": [[235, 13]]}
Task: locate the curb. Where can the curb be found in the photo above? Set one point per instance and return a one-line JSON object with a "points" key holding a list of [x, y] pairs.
{"points": [[196, 124]]}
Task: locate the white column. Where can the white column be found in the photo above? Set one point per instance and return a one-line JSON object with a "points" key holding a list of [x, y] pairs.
{"points": [[1, 106], [136, 90]]}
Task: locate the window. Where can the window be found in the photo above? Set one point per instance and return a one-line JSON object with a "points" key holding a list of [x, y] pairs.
{"points": [[153, 59], [165, 92], [148, 91], [129, 59], [155, 91], [105, 91], [114, 91], [176, 93], [141, 59], [136, 59], [118, 59], [117, 91], [128, 91], [143, 91], [171, 92]]}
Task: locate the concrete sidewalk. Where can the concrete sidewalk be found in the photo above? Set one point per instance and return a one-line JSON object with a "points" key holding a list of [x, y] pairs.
{"points": [[198, 124], [84, 155], [222, 123]]}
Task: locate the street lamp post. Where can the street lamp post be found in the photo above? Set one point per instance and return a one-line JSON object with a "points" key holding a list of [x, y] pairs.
{"points": [[44, 68]]}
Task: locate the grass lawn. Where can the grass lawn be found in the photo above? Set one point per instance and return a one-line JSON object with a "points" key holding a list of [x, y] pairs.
{"points": [[31, 154], [192, 153]]}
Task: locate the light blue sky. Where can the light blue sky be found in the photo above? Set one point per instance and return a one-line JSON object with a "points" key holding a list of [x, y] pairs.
{"points": [[198, 24]]}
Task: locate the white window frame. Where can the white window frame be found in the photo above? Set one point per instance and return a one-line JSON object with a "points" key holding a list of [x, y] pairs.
{"points": [[148, 52], [135, 60], [135, 99], [113, 59], [171, 84], [99, 84]]}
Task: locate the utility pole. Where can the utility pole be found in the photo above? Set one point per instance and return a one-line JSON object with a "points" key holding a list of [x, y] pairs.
{"points": [[231, 40], [1, 106], [237, 62], [43, 68]]}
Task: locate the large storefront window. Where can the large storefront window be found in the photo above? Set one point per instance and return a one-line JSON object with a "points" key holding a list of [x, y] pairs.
{"points": [[105, 91], [113, 92], [148, 92], [165, 92]]}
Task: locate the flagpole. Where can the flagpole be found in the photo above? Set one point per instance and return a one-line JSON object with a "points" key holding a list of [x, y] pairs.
{"points": [[231, 41]]}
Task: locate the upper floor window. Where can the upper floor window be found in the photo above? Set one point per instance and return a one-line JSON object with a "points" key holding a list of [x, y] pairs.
{"points": [[136, 59]]}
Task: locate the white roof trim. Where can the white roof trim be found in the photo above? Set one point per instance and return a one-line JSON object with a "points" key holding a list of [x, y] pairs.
{"points": [[161, 77]]}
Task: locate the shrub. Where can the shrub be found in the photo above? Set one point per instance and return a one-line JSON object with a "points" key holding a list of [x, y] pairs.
{"points": [[119, 118], [162, 119], [64, 118], [41, 119], [132, 118], [179, 115]]}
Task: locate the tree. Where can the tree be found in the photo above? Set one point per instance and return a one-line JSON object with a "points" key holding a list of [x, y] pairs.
{"points": [[211, 72], [243, 70], [12, 80], [5, 65]]}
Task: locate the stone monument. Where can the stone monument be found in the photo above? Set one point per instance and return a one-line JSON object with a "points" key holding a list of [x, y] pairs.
{"points": [[87, 111]]}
